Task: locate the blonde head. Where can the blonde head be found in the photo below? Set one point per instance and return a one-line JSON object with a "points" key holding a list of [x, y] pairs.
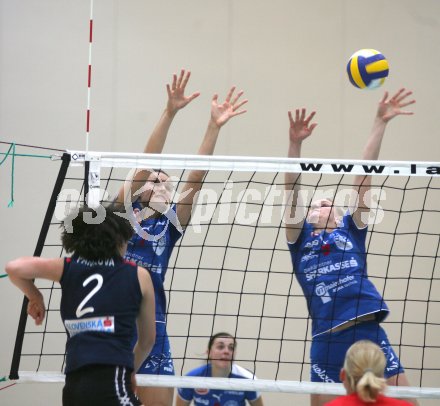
{"points": [[364, 369], [323, 213]]}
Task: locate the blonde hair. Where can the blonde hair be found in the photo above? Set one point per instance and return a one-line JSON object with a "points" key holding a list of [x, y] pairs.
{"points": [[364, 366]]}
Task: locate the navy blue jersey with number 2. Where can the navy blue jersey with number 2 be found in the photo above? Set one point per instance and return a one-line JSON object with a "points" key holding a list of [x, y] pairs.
{"points": [[99, 306]]}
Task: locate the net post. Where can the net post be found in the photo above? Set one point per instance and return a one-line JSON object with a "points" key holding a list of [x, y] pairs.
{"points": [[86, 180], [92, 180], [38, 249]]}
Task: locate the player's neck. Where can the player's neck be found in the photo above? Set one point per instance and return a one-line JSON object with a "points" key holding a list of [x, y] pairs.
{"points": [[317, 231], [220, 372], [328, 228]]}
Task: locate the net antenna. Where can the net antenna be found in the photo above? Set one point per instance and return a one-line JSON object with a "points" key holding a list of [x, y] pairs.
{"points": [[231, 271], [89, 76]]}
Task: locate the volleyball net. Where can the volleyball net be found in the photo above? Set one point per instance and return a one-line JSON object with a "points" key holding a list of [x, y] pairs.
{"points": [[231, 271]]}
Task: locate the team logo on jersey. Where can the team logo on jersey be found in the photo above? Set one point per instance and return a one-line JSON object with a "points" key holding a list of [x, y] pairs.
{"points": [[202, 401], [101, 324], [325, 248], [201, 391], [322, 373], [159, 245], [321, 290], [218, 399], [392, 360], [313, 244], [231, 403], [343, 243], [308, 257]]}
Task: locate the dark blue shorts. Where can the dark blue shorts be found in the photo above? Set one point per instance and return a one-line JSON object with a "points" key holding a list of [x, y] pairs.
{"points": [[160, 361], [99, 385], [328, 351]]}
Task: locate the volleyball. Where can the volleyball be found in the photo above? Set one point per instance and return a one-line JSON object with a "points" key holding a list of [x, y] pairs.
{"points": [[367, 69]]}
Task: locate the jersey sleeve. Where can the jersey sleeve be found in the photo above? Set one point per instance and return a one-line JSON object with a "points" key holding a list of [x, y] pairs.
{"points": [[175, 233], [360, 234], [186, 393], [66, 265]]}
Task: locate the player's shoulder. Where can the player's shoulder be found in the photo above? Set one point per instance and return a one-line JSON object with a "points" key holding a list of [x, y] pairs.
{"points": [[202, 370], [240, 372]]}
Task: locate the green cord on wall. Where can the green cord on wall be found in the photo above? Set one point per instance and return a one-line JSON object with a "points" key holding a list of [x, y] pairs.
{"points": [[11, 148], [11, 151]]}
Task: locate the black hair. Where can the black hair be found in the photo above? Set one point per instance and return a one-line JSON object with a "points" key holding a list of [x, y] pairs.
{"points": [[219, 335], [92, 237]]}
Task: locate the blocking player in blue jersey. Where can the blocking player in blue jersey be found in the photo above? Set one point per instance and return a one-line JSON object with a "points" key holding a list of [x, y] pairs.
{"points": [[104, 298], [221, 349], [329, 258], [161, 224]]}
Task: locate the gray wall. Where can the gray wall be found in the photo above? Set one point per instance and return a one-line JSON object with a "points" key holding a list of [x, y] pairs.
{"points": [[283, 53]]}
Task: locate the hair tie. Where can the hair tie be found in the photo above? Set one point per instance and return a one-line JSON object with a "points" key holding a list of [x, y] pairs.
{"points": [[368, 370]]}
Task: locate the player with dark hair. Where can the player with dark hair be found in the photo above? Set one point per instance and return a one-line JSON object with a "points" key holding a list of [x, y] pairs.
{"points": [[161, 223], [329, 259], [104, 299], [221, 350]]}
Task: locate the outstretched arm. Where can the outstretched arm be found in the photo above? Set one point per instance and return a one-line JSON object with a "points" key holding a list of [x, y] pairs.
{"points": [[388, 109], [221, 113], [300, 129], [176, 101], [23, 271]]}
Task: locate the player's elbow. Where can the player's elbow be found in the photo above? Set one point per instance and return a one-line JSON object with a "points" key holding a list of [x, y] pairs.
{"points": [[12, 268]]}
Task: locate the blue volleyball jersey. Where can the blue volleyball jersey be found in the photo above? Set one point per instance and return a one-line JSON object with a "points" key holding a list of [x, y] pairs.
{"points": [[154, 253], [217, 397], [99, 305], [331, 268]]}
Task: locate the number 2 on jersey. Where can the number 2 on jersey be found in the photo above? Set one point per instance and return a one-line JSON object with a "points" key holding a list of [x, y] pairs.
{"points": [[100, 280]]}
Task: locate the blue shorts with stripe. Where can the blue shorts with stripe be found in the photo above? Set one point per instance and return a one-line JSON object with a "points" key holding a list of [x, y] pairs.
{"points": [[160, 361], [99, 385], [328, 351]]}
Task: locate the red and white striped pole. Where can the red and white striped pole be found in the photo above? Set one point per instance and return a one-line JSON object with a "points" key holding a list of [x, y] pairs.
{"points": [[89, 75]]}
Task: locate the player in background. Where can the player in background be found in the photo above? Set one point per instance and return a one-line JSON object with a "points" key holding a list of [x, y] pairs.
{"points": [[220, 364]]}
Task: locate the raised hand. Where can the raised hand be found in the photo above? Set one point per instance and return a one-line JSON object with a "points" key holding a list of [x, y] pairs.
{"points": [[390, 108], [176, 92], [222, 112], [300, 127]]}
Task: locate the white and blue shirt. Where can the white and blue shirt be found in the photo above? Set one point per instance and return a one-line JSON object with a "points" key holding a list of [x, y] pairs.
{"points": [[331, 268], [154, 253], [218, 397]]}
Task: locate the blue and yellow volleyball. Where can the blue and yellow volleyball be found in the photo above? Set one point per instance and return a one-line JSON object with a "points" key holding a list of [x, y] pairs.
{"points": [[367, 69]]}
